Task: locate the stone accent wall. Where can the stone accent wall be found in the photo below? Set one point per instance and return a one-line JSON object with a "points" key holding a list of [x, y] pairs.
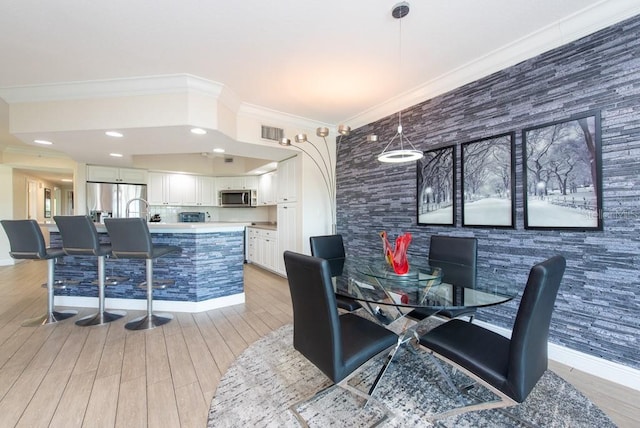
{"points": [[598, 307], [209, 266]]}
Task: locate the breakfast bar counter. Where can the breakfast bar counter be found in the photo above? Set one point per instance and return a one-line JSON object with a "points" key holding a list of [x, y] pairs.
{"points": [[208, 273]]}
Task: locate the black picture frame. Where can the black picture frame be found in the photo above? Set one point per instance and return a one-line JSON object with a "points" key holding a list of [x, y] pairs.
{"points": [[562, 174], [488, 181], [47, 203], [436, 184]]}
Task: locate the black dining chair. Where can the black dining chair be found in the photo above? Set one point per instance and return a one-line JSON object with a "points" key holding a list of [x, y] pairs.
{"points": [[510, 368], [331, 248], [458, 258], [335, 343], [27, 242]]}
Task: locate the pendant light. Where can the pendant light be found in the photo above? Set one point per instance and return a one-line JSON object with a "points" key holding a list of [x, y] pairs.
{"points": [[408, 152]]}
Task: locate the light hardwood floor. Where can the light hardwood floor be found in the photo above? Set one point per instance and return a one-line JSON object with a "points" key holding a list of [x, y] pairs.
{"points": [[63, 375]]}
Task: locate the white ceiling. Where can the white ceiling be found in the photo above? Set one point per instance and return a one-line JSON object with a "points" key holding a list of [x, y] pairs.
{"points": [[330, 61]]}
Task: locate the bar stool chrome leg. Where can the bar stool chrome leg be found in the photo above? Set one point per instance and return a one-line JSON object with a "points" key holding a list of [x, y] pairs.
{"points": [[52, 316], [150, 320], [102, 316]]}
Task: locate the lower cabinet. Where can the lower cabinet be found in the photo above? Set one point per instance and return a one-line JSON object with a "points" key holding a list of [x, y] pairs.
{"points": [[288, 232], [263, 248]]}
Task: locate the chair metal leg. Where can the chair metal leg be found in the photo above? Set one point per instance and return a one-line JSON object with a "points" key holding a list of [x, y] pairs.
{"points": [[502, 399], [51, 316], [149, 320], [101, 317], [344, 384]]}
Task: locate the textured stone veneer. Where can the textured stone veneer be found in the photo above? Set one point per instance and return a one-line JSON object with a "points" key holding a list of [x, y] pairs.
{"points": [[598, 306], [210, 266]]}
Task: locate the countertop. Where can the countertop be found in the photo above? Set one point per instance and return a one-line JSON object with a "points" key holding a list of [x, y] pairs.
{"points": [[163, 227], [265, 225]]}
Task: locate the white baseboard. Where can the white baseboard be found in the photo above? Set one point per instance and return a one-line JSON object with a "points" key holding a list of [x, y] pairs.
{"points": [[595, 366], [8, 262], [158, 305]]}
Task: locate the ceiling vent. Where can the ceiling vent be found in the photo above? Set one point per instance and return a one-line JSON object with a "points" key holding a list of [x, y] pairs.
{"points": [[272, 133], [228, 160]]}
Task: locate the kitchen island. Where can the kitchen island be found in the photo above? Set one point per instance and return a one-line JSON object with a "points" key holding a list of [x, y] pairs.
{"points": [[208, 273]]}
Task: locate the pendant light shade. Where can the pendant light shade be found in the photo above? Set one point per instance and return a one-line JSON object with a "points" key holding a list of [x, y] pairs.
{"points": [[406, 151]]}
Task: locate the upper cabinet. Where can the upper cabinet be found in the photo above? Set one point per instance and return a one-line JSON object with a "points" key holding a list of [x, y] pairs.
{"points": [[287, 181], [267, 189], [237, 183], [181, 189], [206, 191], [107, 174], [167, 189]]}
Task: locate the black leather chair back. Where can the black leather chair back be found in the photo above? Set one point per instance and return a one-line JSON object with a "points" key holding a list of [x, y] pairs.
{"points": [[316, 326], [79, 236], [330, 248], [25, 239], [456, 250], [528, 350], [130, 238]]}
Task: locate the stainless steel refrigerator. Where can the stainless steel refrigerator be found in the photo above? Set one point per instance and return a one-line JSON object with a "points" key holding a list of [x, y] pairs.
{"points": [[112, 200]]}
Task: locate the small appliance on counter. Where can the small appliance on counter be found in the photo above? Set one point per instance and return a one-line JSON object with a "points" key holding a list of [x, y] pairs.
{"points": [[191, 217], [155, 218]]}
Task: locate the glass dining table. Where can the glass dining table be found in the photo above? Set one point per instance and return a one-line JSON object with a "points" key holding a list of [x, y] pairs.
{"points": [[372, 281], [429, 286]]}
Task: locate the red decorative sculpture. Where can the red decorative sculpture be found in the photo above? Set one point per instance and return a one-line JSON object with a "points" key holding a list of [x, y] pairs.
{"points": [[397, 257]]}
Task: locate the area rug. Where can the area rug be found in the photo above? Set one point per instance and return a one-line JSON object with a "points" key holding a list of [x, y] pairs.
{"points": [[270, 377]]}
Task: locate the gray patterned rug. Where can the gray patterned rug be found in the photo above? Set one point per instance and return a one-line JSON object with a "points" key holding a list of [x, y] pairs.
{"points": [[270, 377]]}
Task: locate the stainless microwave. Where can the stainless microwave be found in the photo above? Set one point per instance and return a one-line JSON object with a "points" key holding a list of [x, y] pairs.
{"points": [[237, 198]]}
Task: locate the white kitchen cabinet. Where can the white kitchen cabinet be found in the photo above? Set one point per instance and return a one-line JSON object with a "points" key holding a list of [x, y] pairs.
{"points": [[180, 189], [267, 189], [251, 182], [287, 232], [287, 181], [230, 183], [248, 182], [108, 174], [156, 188], [252, 237], [263, 248], [206, 191]]}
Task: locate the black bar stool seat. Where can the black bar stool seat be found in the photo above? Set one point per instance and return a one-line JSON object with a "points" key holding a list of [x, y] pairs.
{"points": [[27, 242], [130, 239], [80, 238]]}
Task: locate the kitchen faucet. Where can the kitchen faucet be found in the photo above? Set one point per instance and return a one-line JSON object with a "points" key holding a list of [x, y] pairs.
{"points": [[146, 207]]}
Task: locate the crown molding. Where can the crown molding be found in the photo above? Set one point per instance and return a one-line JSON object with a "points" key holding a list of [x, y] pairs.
{"points": [[108, 88], [582, 23], [35, 151], [269, 116]]}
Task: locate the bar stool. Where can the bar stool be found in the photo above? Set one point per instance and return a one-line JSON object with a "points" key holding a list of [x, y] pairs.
{"points": [[80, 238], [130, 239], [27, 242]]}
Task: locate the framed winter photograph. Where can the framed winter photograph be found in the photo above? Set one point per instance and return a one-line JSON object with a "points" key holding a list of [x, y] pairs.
{"points": [[488, 181], [562, 177], [436, 201]]}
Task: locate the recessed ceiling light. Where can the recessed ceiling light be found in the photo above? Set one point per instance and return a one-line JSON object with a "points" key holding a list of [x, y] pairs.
{"points": [[67, 180], [198, 131], [45, 142], [218, 150], [114, 134], [116, 155]]}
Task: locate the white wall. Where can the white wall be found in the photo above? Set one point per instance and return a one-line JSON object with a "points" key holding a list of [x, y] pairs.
{"points": [[6, 211]]}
